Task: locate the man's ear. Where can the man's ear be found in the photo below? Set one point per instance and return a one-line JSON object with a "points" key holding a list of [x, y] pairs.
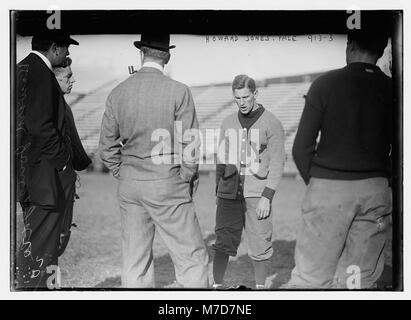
{"points": [[167, 60], [142, 57], [255, 93], [53, 48]]}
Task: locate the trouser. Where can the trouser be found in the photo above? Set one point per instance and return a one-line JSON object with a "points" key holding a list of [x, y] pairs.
{"points": [[69, 188], [66, 223], [45, 236], [37, 256], [166, 206], [341, 241]]}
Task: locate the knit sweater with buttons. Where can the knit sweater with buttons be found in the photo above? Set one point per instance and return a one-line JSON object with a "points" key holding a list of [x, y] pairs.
{"points": [[253, 159]]}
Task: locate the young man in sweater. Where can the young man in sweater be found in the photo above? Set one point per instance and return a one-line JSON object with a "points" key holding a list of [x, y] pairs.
{"points": [[347, 204], [252, 161]]}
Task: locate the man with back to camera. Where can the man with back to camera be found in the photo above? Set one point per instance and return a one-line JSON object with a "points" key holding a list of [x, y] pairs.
{"points": [[43, 161], [153, 195], [347, 204]]}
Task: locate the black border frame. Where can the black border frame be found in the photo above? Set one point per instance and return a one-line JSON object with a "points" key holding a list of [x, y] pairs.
{"points": [[26, 22]]}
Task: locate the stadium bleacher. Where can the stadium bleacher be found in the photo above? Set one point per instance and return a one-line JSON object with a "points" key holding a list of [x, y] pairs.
{"points": [[88, 110], [282, 96]]}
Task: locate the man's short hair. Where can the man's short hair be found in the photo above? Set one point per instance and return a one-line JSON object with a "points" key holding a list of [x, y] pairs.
{"points": [[154, 53], [60, 69], [243, 81], [371, 42]]}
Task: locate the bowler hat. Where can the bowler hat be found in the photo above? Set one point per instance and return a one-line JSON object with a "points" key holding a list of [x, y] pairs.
{"points": [[55, 35], [155, 41]]}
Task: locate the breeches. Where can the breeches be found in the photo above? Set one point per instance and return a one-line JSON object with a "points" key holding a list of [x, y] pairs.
{"points": [[232, 217]]}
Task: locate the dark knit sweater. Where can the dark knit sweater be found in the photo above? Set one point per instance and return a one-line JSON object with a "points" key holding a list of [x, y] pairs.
{"points": [[351, 107]]}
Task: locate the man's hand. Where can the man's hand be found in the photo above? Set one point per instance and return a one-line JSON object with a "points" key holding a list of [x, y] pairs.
{"points": [[263, 208]]}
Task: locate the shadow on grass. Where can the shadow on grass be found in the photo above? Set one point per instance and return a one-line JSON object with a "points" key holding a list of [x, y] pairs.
{"points": [[240, 271], [163, 270]]}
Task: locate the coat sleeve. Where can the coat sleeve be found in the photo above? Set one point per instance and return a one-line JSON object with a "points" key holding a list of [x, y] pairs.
{"points": [[40, 118], [110, 140], [308, 129], [190, 143], [275, 148], [221, 156], [80, 158]]}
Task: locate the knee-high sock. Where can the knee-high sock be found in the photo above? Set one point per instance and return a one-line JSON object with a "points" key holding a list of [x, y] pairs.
{"points": [[220, 263], [260, 271]]}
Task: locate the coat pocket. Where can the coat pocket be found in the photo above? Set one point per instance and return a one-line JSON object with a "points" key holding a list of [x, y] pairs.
{"points": [[43, 184]]}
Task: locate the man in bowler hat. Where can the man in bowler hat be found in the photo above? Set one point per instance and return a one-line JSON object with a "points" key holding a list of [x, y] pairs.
{"points": [[44, 158], [153, 192]]}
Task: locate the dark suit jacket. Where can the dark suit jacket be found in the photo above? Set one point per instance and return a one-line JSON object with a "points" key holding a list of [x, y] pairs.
{"points": [[79, 157], [43, 148]]}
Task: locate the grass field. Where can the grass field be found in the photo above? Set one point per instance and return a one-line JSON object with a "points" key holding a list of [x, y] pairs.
{"points": [[93, 257]]}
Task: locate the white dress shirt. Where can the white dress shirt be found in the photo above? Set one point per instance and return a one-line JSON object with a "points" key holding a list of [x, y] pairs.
{"points": [[152, 64]]}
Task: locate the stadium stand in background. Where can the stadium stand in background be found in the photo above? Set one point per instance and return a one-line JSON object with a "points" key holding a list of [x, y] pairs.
{"points": [[283, 96]]}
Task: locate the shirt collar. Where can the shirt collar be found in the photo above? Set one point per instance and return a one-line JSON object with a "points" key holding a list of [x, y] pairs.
{"points": [[363, 65], [44, 58], [152, 64]]}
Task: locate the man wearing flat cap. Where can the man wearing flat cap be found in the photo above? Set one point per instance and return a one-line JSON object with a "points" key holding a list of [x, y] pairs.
{"points": [[43, 158], [154, 192]]}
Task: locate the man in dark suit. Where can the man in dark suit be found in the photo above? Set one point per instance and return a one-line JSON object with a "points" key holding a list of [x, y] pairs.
{"points": [[44, 163]]}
